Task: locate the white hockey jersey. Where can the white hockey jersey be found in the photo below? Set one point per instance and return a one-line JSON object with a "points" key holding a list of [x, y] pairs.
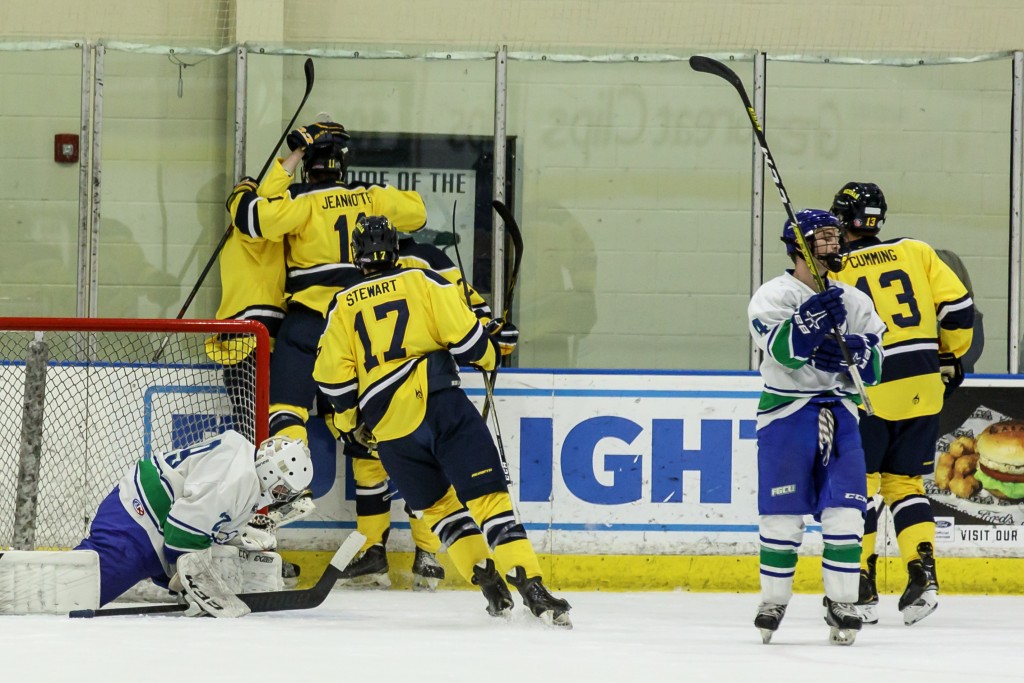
{"points": [[787, 389], [188, 499]]}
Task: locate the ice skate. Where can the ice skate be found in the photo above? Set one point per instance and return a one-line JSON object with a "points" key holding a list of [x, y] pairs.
{"points": [[427, 572], [921, 595], [499, 599], [549, 609], [368, 570], [867, 601], [844, 621], [769, 616]]}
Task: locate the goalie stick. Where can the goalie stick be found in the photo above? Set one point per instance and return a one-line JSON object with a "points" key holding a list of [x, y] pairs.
{"points": [[716, 68], [270, 601], [308, 68]]}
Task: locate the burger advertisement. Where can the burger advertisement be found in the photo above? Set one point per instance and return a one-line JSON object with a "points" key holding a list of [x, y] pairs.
{"points": [[977, 487]]}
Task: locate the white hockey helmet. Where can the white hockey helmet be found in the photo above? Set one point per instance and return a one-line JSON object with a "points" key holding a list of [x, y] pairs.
{"points": [[284, 469]]}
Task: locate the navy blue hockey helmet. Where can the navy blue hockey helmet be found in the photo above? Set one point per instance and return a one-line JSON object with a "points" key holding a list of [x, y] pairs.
{"points": [[328, 155], [374, 241], [810, 221], [860, 206]]}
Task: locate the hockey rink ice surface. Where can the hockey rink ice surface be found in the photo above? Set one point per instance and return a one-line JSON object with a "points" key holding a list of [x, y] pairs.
{"points": [[405, 637]]}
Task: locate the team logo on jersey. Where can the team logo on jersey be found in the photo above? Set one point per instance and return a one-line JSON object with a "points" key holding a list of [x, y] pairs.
{"points": [[783, 490], [139, 510]]}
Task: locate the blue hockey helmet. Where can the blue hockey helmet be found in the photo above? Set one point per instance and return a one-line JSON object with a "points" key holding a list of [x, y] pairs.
{"points": [[810, 221]]}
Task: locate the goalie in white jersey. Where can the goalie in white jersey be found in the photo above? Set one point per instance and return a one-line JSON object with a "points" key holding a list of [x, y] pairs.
{"points": [[809, 455], [164, 517]]}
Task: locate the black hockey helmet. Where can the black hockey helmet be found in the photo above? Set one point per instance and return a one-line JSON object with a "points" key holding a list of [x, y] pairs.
{"points": [[328, 155], [860, 206], [374, 242]]}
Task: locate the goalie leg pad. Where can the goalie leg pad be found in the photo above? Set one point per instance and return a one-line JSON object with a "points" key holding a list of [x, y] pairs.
{"points": [[204, 590], [49, 582], [248, 571]]}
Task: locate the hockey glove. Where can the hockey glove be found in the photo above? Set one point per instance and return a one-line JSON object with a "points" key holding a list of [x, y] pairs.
{"points": [[353, 448], [815, 318], [952, 373], [504, 334], [246, 184], [828, 357], [300, 138]]}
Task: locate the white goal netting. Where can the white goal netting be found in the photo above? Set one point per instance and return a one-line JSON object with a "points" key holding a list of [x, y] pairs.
{"points": [[80, 404]]}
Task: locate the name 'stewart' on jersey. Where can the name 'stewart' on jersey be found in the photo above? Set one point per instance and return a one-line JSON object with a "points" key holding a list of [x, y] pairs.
{"points": [[370, 291]]}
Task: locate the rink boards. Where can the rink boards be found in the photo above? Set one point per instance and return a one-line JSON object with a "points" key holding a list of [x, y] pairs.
{"points": [[633, 480]]}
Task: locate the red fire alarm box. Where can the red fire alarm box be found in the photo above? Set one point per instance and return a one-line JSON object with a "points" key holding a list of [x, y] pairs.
{"points": [[65, 148]]}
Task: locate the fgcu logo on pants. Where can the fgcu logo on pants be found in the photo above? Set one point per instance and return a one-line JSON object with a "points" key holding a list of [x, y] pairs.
{"points": [[586, 476]]}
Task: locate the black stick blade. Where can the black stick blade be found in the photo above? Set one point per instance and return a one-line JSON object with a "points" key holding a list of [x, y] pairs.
{"points": [[310, 74], [714, 67]]}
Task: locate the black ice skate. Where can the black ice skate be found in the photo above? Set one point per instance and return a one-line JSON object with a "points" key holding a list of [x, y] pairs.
{"points": [[769, 616], [867, 601], [367, 570], [921, 595], [844, 622], [427, 572], [499, 599], [551, 610]]}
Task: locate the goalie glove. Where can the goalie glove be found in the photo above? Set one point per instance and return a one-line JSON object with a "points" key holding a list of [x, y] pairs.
{"points": [[258, 534], [292, 511]]}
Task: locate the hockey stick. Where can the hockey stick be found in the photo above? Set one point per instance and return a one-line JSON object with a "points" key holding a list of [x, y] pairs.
{"points": [[716, 68], [512, 228], [308, 67], [488, 390], [269, 601]]}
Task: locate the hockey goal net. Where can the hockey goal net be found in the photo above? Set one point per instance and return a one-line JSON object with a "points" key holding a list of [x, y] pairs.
{"points": [[81, 399]]}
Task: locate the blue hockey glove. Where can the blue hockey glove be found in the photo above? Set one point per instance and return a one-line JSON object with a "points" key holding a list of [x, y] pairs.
{"points": [[815, 319]]}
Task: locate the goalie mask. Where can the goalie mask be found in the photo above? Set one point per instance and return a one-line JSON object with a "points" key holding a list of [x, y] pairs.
{"points": [[860, 206], [284, 469], [821, 231], [327, 157], [374, 242]]}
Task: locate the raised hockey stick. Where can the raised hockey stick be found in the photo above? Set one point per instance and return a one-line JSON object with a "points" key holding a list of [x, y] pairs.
{"points": [[488, 389], [270, 601], [716, 68], [308, 67], [512, 228]]}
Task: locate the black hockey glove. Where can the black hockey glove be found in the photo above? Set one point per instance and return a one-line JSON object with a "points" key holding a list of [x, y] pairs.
{"points": [[504, 334], [952, 373], [300, 138]]}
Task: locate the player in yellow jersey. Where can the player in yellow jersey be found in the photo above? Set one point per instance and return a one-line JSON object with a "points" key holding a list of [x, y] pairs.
{"points": [[929, 316], [387, 361], [313, 218], [374, 491]]}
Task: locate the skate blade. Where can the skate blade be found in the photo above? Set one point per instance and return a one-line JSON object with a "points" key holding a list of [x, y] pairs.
{"points": [[424, 583], [842, 636], [868, 613], [920, 608], [560, 621], [766, 635], [367, 582]]}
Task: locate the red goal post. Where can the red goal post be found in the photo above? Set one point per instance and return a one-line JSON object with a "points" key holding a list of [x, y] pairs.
{"points": [[81, 399]]}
